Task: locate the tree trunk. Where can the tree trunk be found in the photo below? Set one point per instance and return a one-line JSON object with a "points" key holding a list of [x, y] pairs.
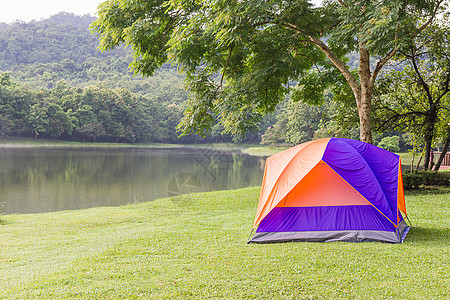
{"points": [[365, 110], [363, 89], [426, 163], [444, 151], [365, 98], [418, 163], [364, 103], [429, 135]]}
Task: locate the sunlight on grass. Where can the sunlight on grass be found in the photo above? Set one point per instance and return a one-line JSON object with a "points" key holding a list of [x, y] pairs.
{"points": [[194, 246]]}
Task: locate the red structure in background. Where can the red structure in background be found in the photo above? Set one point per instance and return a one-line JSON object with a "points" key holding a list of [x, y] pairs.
{"points": [[445, 162]]}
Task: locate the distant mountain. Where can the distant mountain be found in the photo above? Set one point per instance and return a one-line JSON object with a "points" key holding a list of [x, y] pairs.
{"points": [[62, 37], [56, 83], [64, 18], [42, 53]]}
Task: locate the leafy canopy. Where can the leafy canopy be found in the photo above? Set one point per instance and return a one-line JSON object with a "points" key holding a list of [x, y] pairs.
{"points": [[241, 58]]}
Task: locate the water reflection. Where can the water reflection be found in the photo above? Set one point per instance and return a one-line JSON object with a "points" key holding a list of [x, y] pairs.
{"points": [[42, 180]]}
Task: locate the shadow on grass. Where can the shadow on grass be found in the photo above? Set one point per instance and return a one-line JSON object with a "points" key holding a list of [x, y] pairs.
{"points": [[423, 234]]}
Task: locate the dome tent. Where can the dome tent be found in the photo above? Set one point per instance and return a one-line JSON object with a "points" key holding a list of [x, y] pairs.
{"points": [[331, 190]]}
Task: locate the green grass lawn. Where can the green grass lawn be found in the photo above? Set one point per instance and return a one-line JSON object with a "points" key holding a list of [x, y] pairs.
{"points": [[194, 246]]}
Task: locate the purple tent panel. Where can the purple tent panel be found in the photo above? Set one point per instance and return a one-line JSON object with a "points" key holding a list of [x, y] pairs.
{"points": [[372, 171]]}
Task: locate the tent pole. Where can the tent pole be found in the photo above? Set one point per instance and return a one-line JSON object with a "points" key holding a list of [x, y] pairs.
{"points": [[248, 240], [410, 224]]}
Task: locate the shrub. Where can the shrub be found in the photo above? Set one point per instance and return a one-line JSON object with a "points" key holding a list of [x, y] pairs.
{"points": [[416, 179], [390, 143], [411, 181], [436, 178]]}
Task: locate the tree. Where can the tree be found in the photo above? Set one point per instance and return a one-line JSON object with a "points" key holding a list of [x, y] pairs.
{"points": [[417, 99], [5, 79], [241, 56], [446, 143], [390, 143], [92, 130], [296, 123], [59, 122], [15, 103], [38, 119], [6, 125]]}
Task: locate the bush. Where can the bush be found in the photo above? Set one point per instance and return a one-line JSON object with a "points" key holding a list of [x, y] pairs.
{"points": [[436, 178], [412, 181], [390, 143]]}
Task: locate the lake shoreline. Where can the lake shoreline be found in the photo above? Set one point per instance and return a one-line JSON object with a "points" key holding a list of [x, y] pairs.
{"points": [[250, 149]]}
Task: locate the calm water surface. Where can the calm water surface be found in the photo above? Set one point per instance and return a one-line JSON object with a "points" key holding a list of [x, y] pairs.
{"points": [[34, 180]]}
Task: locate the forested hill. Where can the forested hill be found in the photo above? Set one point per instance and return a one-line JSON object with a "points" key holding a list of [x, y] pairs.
{"points": [[55, 83], [39, 54], [64, 18], [62, 37]]}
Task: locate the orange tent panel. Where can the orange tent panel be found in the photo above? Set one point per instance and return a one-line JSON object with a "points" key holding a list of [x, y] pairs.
{"points": [[400, 192], [287, 168], [322, 186]]}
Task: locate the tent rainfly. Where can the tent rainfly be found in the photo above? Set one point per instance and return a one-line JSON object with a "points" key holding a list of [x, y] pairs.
{"points": [[331, 190]]}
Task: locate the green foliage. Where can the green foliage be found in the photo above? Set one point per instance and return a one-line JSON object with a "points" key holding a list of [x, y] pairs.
{"points": [[436, 178], [38, 119], [247, 80], [390, 143], [255, 60], [5, 79], [241, 57], [413, 181], [296, 123], [416, 98], [60, 49], [152, 114], [93, 113]]}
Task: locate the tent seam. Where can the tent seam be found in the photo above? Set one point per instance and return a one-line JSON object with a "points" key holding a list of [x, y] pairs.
{"points": [[360, 194], [378, 182], [284, 169]]}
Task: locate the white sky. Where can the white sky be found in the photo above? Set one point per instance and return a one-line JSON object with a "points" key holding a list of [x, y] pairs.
{"points": [[27, 10]]}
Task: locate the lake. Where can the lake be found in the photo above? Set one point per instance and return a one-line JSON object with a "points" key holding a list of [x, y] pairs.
{"points": [[36, 180]]}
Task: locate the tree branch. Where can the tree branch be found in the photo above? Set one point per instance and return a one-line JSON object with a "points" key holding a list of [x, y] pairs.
{"points": [[425, 25], [444, 151], [381, 63], [385, 59], [446, 83], [226, 66], [422, 82], [331, 55], [342, 3], [394, 120]]}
